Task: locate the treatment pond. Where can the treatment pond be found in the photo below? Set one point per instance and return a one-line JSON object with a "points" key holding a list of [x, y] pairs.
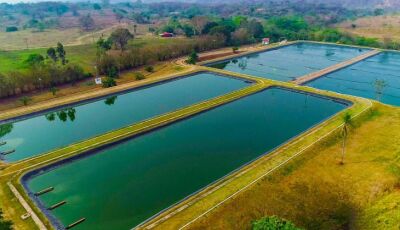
{"points": [[123, 185], [34, 135], [377, 78], [289, 62]]}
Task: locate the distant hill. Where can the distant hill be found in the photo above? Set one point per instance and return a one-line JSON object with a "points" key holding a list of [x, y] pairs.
{"points": [[387, 4]]}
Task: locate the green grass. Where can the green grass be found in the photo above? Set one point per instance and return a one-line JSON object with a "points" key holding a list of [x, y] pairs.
{"points": [[84, 55], [14, 60]]}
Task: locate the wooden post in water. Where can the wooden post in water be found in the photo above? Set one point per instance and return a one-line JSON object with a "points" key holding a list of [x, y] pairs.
{"points": [[46, 190], [75, 223], [54, 206], [8, 152]]}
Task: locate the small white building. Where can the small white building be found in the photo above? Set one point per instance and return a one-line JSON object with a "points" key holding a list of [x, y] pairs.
{"points": [[265, 41]]}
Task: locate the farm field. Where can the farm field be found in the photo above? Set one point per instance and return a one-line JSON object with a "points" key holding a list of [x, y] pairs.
{"points": [[380, 27], [85, 55], [32, 39]]}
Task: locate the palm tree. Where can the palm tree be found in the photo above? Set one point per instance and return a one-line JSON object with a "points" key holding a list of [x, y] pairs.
{"points": [[345, 132], [379, 87]]}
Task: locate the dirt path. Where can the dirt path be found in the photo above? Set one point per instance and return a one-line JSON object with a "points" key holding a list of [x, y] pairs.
{"points": [[28, 208], [330, 69]]}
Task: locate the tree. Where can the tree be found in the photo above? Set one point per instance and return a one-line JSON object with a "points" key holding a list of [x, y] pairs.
{"points": [[5, 224], [120, 38], [104, 44], [188, 30], [273, 223], [110, 100], [241, 36], [345, 132], [96, 6], [379, 87], [199, 22], [4, 130], [134, 29], [109, 82], [51, 53], [86, 22], [193, 58], [11, 29], [119, 17], [61, 53], [54, 90], [25, 100]]}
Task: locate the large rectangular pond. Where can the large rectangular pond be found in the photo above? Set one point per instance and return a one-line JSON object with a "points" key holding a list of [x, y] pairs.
{"points": [[33, 135], [123, 185], [377, 77], [290, 62]]}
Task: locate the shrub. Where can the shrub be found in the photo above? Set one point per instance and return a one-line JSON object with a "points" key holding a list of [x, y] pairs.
{"points": [[149, 69], [273, 223], [11, 28], [25, 100], [139, 76], [235, 49]]}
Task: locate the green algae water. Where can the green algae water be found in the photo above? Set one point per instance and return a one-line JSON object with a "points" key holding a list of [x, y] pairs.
{"points": [[361, 79], [38, 134], [123, 185], [290, 62]]}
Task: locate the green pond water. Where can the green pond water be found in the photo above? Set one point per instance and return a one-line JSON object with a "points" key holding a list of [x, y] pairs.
{"points": [[45, 132], [290, 62], [123, 185], [377, 78]]}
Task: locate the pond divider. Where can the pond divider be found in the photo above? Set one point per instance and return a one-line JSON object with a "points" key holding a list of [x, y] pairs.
{"points": [[75, 223], [54, 206], [312, 76], [44, 191]]}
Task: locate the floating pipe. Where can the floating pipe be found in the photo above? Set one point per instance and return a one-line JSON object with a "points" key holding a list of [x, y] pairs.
{"points": [[46, 190], [75, 223], [7, 152], [57, 205], [3, 143]]}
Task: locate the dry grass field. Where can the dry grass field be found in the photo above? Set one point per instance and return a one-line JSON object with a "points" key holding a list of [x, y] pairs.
{"points": [[381, 27], [31, 39], [316, 192]]}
